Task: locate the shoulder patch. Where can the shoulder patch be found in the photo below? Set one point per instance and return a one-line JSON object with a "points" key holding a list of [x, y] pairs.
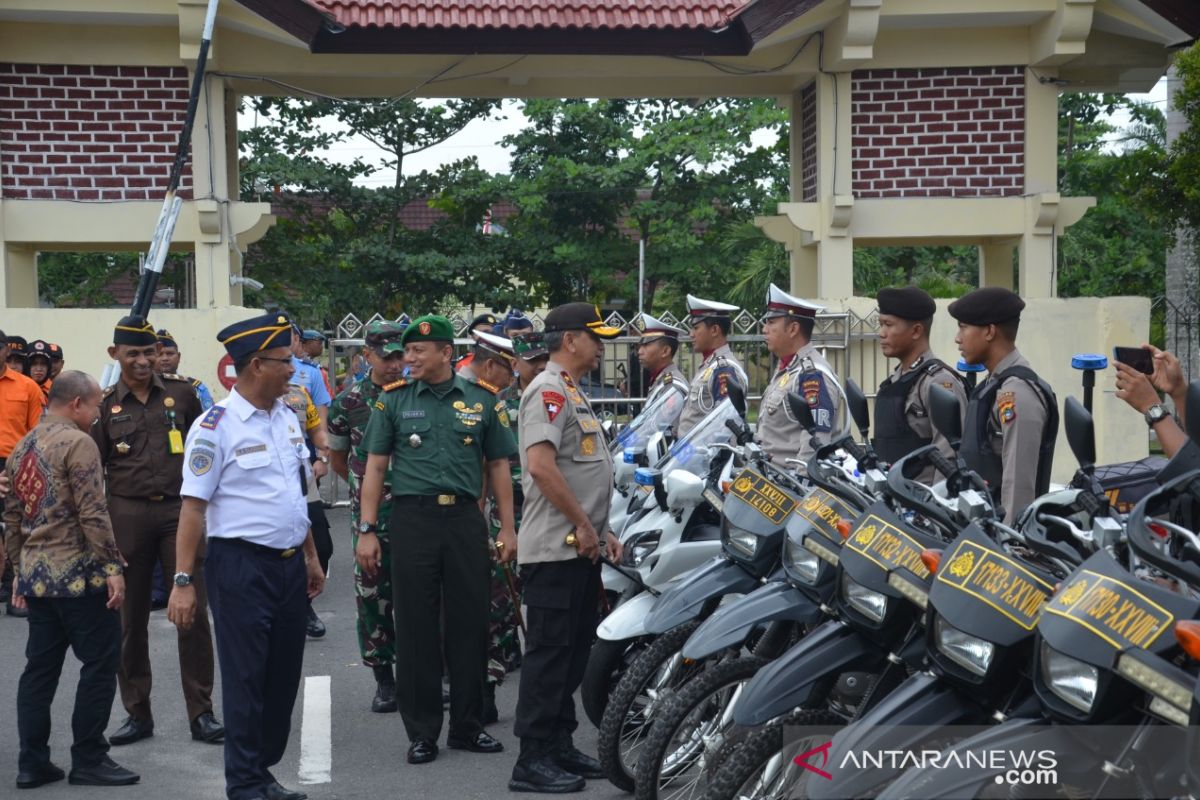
{"points": [[395, 385], [213, 416], [502, 414], [554, 402], [1006, 407]]}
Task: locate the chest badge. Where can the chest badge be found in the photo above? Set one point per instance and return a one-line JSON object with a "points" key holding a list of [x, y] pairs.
{"points": [[414, 440], [468, 440], [588, 445], [116, 409], [122, 447], [169, 402]]}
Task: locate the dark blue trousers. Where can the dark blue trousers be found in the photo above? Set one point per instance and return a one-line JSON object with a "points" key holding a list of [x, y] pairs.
{"points": [[93, 632], [258, 603]]}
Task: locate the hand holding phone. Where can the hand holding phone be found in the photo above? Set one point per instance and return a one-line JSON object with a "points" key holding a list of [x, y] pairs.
{"points": [[1138, 358]]}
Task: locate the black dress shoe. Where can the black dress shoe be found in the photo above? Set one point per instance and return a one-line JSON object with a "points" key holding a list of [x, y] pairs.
{"points": [[277, 792], [316, 628], [39, 777], [106, 773], [571, 760], [422, 751], [205, 728], [542, 775], [479, 743], [132, 730], [13, 611]]}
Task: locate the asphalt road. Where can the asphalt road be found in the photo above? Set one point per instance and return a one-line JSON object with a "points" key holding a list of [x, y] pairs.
{"points": [[348, 751]]}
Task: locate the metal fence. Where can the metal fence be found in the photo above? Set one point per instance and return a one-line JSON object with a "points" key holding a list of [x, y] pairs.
{"points": [[1175, 326]]}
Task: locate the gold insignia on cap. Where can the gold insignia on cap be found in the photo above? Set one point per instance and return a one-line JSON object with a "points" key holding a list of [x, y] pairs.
{"points": [[281, 320]]}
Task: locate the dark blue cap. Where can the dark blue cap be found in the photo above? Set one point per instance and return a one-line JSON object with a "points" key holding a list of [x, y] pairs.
{"points": [[255, 335]]}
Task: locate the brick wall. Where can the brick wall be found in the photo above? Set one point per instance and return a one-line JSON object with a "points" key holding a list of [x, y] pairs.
{"points": [[808, 143], [938, 132], [90, 132]]}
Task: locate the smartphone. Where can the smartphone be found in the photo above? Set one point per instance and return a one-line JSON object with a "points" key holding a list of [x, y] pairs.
{"points": [[1136, 357]]}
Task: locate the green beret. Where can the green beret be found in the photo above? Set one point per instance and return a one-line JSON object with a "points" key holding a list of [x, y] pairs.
{"points": [[990, 305], [429, 328], [908, 303]]}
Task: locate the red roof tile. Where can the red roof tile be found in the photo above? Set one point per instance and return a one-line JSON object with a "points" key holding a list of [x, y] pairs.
{"points": [[533, 14]]}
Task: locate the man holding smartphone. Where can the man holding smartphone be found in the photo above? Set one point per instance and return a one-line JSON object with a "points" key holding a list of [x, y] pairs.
{"points": [[1140, 379]]}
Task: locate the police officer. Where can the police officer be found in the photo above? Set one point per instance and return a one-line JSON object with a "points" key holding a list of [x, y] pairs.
{"points": [[143, 420], [567, 477], [656, 353], [244, 470], [710, 323], [788, 328], [437, 430], [1012, 418], [902, 422], [348, 417], [167, 363]]}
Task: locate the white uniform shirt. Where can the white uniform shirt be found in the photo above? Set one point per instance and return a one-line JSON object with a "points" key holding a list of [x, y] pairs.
{"points": [[247, 464]]}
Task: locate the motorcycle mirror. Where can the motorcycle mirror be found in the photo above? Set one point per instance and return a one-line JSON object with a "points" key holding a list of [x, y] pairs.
{"points": [[857, 403], [1081, 432], [737, 396], [946, 414], [801, 411], [1193, 411]]}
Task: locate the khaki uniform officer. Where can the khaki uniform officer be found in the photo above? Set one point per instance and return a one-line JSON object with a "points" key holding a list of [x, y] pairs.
{"points": [[437, 429], [902, 422], [144, 418], [710, 323], [1012, 419], [567, 476], [656, 353], [802, 370]]}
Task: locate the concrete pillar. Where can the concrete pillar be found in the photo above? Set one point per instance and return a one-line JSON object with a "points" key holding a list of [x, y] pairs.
{"points": [[996, 264], [835, 250], [835, 268], [1036, 265], [215, 257], [1037, 246], [804, 271], [18, 265]]}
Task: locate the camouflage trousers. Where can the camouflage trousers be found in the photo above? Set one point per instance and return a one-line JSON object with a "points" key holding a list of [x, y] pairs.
{"points": [[504, 641], [375, 624]]}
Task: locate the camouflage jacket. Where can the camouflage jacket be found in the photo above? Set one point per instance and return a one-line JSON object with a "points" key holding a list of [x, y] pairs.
{"points": [[347, 422]]}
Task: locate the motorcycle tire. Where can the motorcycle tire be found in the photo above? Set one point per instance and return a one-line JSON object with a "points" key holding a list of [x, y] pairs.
{"points": [[607, 663], [670, 769], [625, 723], [743, 766]]}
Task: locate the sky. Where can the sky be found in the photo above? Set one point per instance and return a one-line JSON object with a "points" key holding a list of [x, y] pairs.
{"points": [[481, 139]]}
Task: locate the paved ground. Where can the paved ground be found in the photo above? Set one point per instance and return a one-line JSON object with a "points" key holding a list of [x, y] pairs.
{"points": [[348, 752]]}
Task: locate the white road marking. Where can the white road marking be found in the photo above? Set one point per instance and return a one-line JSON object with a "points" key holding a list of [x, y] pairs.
{"points": [[316, 732]]}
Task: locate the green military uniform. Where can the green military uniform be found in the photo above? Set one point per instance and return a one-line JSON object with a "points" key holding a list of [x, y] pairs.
{"points": [[372, 595], [504, 643], [438, 437]]}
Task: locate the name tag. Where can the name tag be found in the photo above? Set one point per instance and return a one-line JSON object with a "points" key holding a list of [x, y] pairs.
{"points": [[419, 414], [121, 418], [252, 456], [1117, 613], [997, 580], [887, 546]]}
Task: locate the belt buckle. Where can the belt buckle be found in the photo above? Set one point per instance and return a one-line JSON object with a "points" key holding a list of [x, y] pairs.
{"points": [[446, 499], [291, 551]]}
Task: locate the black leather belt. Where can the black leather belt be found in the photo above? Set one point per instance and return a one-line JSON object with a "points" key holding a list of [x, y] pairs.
{"points": [[442, 500], [260, 549]]}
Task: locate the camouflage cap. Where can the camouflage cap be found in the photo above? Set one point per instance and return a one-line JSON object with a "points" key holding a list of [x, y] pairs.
{"points": [[531, 345], [384, 337]]}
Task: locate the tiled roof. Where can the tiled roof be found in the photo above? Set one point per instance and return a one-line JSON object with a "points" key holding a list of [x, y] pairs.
{"points": [[533, 14]]}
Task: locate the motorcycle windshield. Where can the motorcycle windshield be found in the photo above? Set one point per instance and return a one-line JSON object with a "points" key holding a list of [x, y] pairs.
{"points": [[659, 415], [694, 451]]}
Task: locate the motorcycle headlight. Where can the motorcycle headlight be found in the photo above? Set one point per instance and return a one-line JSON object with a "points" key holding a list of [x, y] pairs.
{"points": [[969, 652], [800, 562], [743, 542], [1071, 680], [868, 602], [639, 547]]}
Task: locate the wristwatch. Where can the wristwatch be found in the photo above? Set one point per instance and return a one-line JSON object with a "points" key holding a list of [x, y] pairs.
{"points": [[368, 527], [183, 579], [1156, 413]]}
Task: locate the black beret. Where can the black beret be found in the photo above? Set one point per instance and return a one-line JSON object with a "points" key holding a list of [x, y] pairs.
{"points": [[987, 306], [907, 303], [134, 331]]}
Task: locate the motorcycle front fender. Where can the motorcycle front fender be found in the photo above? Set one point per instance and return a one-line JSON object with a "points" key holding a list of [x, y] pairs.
{"points": [[788, 681], [949, 781], [901, 721], [613, 581], [729, 626], [628, 619], [685, 600]]}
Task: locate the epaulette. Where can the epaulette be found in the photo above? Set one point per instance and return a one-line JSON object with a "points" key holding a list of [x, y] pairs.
{"points": [[667, 378], [396, 385], [212, 417], [109, 390], [172, 377], [485, 385]]}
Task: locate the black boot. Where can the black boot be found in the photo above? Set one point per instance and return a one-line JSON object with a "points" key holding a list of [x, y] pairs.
{"points": [[569, 758], [536, 771], [490, 712], [315, 628], [385, 691]]}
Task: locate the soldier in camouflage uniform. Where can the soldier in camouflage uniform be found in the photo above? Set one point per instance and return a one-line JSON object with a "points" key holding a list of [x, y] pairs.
{"points": [[347, 421]]}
